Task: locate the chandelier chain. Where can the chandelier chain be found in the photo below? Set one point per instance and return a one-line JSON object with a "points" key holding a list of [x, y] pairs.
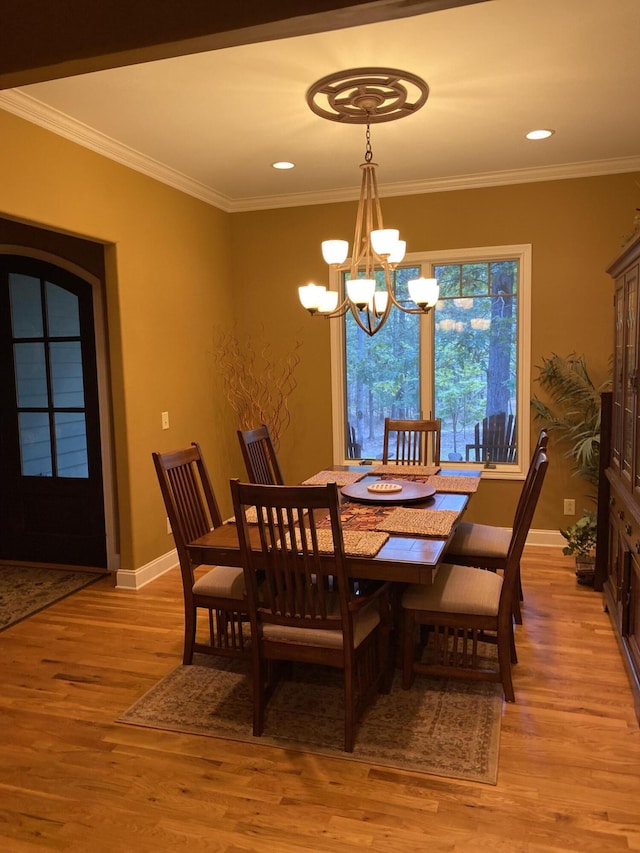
{"points": [[368, 152]]}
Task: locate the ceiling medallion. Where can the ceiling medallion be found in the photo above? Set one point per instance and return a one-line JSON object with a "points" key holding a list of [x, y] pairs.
{"points": [[367, 95]]}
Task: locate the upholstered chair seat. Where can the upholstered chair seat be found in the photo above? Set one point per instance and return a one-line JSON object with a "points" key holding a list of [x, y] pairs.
{"points": [[481, 540], [221, 582], [457, 589]]}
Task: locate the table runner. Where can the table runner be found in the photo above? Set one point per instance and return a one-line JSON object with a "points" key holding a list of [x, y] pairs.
{"points": [[394, 519]]}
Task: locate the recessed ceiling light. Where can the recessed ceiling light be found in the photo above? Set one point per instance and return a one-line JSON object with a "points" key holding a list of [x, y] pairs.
{"points": [[283, 164], [540, 134]]}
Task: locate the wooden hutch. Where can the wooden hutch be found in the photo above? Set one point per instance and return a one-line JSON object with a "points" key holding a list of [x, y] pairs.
{"points": [[619, 500]]}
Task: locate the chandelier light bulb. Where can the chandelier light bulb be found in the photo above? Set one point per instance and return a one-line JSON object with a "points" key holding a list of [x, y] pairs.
{"points": [[329, 301], [311, 296], [360, 291], [384, 240], [335, 251], [378, 302], [397, 254], [424, 292]]}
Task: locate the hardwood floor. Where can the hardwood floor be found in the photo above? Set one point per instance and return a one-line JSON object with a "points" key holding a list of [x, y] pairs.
{"points": [[71, 779]]}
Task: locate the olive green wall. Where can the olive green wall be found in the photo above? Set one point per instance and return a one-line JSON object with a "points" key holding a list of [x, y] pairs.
{"points": [[575, 227], [177, 268]]}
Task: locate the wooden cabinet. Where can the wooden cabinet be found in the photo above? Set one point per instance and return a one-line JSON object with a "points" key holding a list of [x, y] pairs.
{"points": [[619, 503]]}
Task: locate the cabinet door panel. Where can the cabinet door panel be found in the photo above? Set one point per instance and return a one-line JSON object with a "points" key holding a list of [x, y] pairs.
{"points": [[630, 377]]}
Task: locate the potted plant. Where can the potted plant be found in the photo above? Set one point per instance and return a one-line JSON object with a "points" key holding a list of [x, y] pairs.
{"points": [[581, 542], [574, 413]]}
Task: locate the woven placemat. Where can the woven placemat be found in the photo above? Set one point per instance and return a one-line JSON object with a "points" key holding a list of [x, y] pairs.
{"points": [[357, 543], [459, 485], [342, 478], [406, 470], [422, 522]]}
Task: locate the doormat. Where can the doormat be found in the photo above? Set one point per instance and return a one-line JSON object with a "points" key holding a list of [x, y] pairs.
{"points": [[25, 590]]}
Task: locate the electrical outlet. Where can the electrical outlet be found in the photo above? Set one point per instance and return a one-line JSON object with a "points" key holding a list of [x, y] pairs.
{"points": [[569, 506], [169, 530], [165, 420]]}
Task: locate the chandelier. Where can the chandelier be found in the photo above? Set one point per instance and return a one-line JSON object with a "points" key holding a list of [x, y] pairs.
{"points": [[366, 96]]}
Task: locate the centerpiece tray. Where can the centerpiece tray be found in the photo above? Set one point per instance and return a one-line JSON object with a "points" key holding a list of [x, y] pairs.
{"points": [[394, 491]]}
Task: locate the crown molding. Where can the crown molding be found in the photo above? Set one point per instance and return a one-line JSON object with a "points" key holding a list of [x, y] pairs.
{"points": [[24, 106]]}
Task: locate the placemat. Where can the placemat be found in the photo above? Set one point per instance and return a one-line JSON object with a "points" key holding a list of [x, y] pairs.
{"points": [[357, 543], [422, 522], [342, 478], [405, 470], [458, 485]]}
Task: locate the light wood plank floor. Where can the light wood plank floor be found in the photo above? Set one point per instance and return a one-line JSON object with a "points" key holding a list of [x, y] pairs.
{"points": [[71, 779]]}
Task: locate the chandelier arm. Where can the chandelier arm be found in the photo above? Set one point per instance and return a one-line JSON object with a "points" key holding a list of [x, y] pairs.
{"points": [[376, 198], [416, 310]]}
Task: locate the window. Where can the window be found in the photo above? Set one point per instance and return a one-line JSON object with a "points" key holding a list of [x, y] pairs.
{"points": [[466, 362], [49, 381]]}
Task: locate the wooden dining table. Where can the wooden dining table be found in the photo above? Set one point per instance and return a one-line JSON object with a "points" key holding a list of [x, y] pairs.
{"points": [[403, 558]]}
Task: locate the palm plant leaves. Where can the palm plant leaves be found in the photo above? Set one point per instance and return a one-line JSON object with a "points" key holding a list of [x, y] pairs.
{"points": [[573, 411]]}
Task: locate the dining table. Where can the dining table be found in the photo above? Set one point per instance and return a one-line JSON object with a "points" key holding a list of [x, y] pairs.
{"points": [[409, 554]]}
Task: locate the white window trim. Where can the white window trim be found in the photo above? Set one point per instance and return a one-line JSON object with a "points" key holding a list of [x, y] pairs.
{"points": [[523, 252]]}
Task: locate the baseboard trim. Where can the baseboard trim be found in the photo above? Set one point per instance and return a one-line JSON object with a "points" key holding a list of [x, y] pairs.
{"points": [[133, 579]]}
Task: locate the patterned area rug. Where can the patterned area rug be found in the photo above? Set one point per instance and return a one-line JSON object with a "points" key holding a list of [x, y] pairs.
{"points": [[445, 728], [25, 590]]}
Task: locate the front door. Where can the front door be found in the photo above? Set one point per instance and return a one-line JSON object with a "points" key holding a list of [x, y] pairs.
{"points": [[51, 494]]}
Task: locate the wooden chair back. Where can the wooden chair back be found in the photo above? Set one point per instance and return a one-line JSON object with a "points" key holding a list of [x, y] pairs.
{"points": [[192, 510], [301, 603], [411, 441], [296, 583], [260, 457], [189, 501], [521, 527], [541, 445], [495, 439]]}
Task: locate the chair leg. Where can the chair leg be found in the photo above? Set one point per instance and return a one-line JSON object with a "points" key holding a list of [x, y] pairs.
{"points": [[189, 634], [504, 662], [259, 670], [408, 630], [517, 613], [349, 710]]}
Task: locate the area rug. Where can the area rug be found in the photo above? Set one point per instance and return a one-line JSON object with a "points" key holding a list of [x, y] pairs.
{"points": [[440, 727], [25, 590]]}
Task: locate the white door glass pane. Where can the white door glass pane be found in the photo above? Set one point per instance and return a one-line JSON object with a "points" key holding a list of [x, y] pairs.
{"points": [[66, 374], [63, 317], [31, 375], [35, 444], [71, 444], [26, 306], [382, 376]]}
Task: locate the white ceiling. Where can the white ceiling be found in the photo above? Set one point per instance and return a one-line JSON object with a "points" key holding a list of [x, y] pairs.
{"points": [[212, 123]]}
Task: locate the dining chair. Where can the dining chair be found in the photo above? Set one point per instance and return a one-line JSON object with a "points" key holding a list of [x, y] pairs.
{"points": [[260, 457], [486, 546], [303, 609], [417, 442], [463, 609], [192, 510]]}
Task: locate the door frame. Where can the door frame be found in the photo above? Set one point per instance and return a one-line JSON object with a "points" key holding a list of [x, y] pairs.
{"points": [[104, 389]]}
